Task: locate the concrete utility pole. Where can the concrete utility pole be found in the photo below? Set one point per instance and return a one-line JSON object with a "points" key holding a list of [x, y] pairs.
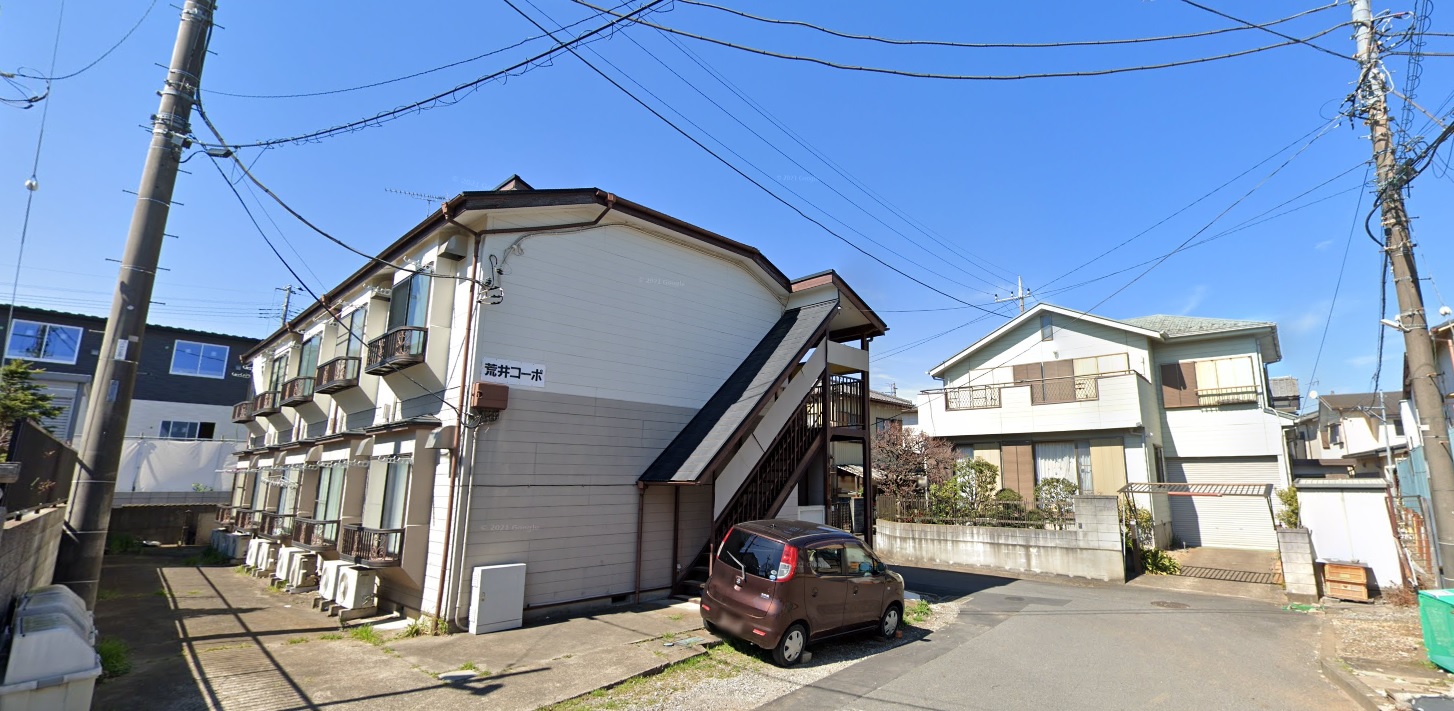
{"points": [[1418, 344], [89, 512], [1020, 295], [287, 301]]}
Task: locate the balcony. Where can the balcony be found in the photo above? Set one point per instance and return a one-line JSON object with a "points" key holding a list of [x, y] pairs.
{"points": [[298, 391], [396, 350], [372, 547], [242, 412], [1215, 397], [226, 515], [335, 375], [268, 403], [274, 526], [244, 519], [315, 535], [1080, 403]]}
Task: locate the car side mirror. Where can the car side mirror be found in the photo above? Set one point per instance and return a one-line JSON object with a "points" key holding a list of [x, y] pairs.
{"points": [[880, 568]]}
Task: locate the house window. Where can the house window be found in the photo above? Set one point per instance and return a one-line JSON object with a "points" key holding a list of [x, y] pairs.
{"points": [[1160, 458], [1047, 327], [279, 372], [964, 452], [1208, 383], [44, 342], [330, 493], [1064, 460], [204, 360], [1398, 428], [178, 429], [409, 302], [351, 333], [396, 489], [1335, 434], [308, 358]]}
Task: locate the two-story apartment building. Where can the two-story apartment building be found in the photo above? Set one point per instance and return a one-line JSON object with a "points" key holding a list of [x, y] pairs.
{"points": [[1103, 402], [559, 379], [186, 380]]}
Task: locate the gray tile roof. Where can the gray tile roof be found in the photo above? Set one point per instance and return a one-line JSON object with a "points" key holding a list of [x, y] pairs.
{"points": [[1191, 325], [1284, 386], [881, 396], [1354, 401]]}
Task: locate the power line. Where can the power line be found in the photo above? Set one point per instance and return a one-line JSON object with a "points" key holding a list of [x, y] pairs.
{"points": [[956, 77], [743, 174], [94, 62], [444, 98], [1266, 28], [998, 45], [908, 347], [1338, 284], [406, 77]]}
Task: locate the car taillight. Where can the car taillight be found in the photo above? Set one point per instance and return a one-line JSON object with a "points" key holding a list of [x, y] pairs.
{"points": [[789, 564]]}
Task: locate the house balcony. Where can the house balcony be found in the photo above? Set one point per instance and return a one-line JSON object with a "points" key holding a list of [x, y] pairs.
{"points": [[242, 412], [245, 519], [298, 391], [335, 375], [371, 547], [314, 534], [1121, 400], [268, 403], [1216, 397], [226, 515], [396, 350], [274, 526]]}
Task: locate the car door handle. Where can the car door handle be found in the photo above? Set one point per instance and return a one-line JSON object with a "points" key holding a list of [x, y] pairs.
{"points": [[815, 592], [855, 589]]}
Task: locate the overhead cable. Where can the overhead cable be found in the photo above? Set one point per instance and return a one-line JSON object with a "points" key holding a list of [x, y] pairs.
{"points": [[94, 62]]}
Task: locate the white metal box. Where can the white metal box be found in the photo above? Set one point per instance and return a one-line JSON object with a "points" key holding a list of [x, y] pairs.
{"points": [[328, 574], [357, 588], [303, 569], [499, 598]]}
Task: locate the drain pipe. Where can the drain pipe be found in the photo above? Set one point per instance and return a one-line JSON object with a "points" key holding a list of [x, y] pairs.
{"points": [[640, 516]]}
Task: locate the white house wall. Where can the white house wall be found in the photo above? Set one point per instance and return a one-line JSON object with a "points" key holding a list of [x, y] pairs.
{"points": [[145, 418], [1227, 431], [1078, 339]]}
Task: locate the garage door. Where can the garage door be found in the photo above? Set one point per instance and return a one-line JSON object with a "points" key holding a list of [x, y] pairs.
{"points": [[1223, 521]]}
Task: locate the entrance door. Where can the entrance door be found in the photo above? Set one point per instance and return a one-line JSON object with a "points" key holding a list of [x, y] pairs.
{"points": [[866, 587], [1223, 521], [825, 591]]}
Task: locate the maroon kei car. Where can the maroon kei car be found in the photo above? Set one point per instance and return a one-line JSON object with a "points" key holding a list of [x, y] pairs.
{"points": [[781, 584]]}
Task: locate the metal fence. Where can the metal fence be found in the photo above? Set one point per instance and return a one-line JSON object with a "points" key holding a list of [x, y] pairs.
{"points": [[46, 467]]}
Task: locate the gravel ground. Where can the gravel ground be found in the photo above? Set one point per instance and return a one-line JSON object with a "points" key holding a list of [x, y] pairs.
{"points": [[1377, 632], [736, 675]]}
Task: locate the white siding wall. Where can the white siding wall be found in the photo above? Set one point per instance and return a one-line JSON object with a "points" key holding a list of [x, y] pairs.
{"points": [[146, 418], [1079, 339], [1118, 405], [1228, 431]]}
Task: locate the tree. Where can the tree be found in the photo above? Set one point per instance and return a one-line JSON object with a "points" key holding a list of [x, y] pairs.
{"points": [[21, 398], [1053, 496], [970, 493], [901, 457]]}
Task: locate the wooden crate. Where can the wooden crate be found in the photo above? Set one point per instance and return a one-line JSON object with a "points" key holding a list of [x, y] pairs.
{"points": [[1346, 581]]}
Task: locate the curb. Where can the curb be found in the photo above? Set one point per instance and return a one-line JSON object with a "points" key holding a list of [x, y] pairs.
{"points": [[1337, 672]]}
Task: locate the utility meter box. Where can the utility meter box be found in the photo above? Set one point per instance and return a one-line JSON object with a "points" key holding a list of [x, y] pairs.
{"points": [[499, 599]]}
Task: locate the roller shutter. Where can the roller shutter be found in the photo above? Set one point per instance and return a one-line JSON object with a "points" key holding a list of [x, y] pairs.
{"points": [[1242, 522]]}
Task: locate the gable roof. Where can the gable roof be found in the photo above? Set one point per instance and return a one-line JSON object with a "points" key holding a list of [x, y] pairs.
{"points": [[1034, 312], [879, 396], [1173, 326], [1355, 401]]}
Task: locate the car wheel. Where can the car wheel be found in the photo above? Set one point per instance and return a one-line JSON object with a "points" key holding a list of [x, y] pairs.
{"points": [[888, 625], [789, 649], [710, 628]]}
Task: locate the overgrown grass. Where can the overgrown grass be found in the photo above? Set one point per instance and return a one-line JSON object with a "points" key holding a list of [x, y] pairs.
{"points": [[123, 543], [331, 636], [917, 611], [299, 640], [366, 633], [108, 594], [721, 661], [211, 556], [115, 657]]}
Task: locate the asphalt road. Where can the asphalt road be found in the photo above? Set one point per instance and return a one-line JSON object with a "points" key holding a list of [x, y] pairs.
{"points": [[1033, 645]]}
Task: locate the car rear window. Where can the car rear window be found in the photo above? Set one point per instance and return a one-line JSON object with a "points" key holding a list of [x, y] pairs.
{"points": [[751, 553]]}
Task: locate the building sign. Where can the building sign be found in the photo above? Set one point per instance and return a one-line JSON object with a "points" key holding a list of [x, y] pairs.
{"points": [[512, 372]]}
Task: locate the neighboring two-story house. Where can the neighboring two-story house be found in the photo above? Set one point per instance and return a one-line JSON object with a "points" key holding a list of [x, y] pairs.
{"points": [[1106, 403], [1361, 431], [562, 379]]}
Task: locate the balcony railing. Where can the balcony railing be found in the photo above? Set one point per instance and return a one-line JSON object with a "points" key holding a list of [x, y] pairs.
{"points": [[298, 391], [973, 397], [396, 350], [226, 515], [315, 535], [242, 412], [1212, 397], [244, 519], [337, 374], [268, 403], [846, 398], [1066, 389], [273, 525], [372, 547]]}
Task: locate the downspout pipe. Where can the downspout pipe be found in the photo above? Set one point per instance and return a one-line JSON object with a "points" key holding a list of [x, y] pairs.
{"points": [[640, 517]]}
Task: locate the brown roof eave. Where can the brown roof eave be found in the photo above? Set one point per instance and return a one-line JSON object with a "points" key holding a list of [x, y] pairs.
{"points": [[878, 326]]}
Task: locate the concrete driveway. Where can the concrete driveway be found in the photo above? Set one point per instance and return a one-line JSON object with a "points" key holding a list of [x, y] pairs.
{"points": [[1034, 645]]}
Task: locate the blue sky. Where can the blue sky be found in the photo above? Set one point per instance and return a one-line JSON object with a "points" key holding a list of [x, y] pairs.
{"points": [[1029, 178]]}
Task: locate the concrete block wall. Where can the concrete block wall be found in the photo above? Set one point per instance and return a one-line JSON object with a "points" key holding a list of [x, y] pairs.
{"points": [[28, 548], [1300, 578], [1090, 548]]}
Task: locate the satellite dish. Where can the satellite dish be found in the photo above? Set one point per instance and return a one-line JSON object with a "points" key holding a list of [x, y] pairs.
{"points": [[1445, 311]]}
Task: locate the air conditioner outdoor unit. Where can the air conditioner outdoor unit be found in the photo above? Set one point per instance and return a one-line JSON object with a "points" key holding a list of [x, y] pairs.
{"points": [[328, 574], [304, 571], [250, 559], [357, 588], [237, 545], [286, 556], [263, 555]]}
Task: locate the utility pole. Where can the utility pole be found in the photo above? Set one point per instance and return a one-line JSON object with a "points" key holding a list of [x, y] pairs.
{"points": [[1418, 344], [287, 299], [88, 514], [1020, 295]]}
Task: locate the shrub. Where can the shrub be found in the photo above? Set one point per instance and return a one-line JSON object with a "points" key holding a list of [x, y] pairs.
{"points": [[115, 657], [1054, 496], [1140, 526], [1291, 514], [123, 543], [1159, 562]]}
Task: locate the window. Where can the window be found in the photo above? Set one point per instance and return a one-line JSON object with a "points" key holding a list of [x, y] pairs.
{"points": [[1047, 327], [204, 360], [857, 561], [351, 333], [1335, 434], [409, 302], [177, 429], [44, 342], [1056, 460], [308, 358], [750, 553], [963, 452], [1398, 428], [330, 493], [826, 560], [278, 373], [1160, 458], [396, 490]]}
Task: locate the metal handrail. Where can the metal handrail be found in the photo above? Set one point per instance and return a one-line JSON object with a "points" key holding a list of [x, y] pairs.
{"points": [[338, 374], [397, 349], [274, 525], [315, 534], [298, 390], [373, 547]]}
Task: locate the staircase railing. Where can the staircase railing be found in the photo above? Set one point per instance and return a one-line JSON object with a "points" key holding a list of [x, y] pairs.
{"points": [[765, 489]]}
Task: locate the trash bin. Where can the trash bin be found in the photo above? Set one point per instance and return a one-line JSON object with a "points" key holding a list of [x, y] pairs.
{"points": [[1436, 616], [51, 666]]}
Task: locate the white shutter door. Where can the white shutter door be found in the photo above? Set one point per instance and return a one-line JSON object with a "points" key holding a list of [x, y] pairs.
{"points": [[1242, 522], [62, 396]]}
